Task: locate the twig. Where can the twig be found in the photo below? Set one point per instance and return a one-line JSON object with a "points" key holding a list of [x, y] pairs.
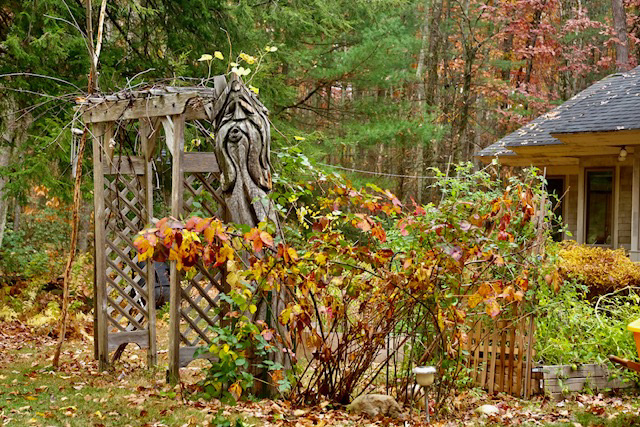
{"points": [[77, 194]]}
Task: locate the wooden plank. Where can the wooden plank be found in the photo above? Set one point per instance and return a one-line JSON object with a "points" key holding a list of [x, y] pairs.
{"points": [[147, 138], [529, 357], [492, 366], [100, 333], [140, 338], [477, 336], [519, 366], [512, 347], [176, 141], [201, 162], [485, 359], [124, 165], [157, 106], [582, 371], [503, 336], [635, 204], [616, 206], [579, 384], [187, 355], [581, 226]]}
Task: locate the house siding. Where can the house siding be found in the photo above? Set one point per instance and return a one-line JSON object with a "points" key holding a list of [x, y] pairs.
{"points": [[624, 210], [571, 209]]}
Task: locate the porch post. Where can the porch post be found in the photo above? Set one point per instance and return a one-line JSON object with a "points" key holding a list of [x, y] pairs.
{"points": [[581, 229], [635, 206], [616, 208]]}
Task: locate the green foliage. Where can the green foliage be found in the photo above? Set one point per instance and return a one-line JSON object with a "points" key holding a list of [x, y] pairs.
{"points": [[34, 249], [239, 349], [573, 330]]}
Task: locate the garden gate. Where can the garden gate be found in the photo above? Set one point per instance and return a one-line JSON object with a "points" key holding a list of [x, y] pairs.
{"points": [[231, 183]]}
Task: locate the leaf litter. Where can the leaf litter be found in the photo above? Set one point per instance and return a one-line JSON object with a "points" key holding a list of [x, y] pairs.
{"points": [[129, 394]]}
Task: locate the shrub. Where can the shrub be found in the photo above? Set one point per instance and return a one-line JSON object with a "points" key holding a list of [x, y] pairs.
{"points": [[371, 269], [601, 270], [573, 330]]}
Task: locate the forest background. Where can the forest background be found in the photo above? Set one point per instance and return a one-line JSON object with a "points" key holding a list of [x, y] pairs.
{"points": [[382, 90]]}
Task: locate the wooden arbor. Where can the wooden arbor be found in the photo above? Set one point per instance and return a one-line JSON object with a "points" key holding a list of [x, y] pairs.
{"points": [[231, 182]]}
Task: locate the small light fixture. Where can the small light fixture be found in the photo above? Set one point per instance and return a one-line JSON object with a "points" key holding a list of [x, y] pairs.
{"points": [[622, 156], [425, 376]]}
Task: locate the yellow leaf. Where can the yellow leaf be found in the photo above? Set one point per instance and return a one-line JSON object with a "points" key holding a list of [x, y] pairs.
{"points": [[254, 89], [474, 300], [218, 55], [321, 259], [235, 390], [299, 138], [232, 279], [205, 57], [253, 308], [226, 252]]}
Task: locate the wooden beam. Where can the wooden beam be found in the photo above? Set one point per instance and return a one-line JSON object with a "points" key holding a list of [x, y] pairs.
{"points": [[616, 137], [137, 337], [568, 150], [147, 138], [616, 206], [201, 163], [100, 134], [124, 165], [176, 141], [580, 231], [128, 109], [635, 207]]}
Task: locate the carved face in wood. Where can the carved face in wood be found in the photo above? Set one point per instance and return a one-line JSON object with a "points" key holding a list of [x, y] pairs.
{"points": [[243, 139]]}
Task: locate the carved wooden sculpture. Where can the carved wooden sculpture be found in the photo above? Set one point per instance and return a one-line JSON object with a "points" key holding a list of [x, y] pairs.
{"points": [[242, 146]]}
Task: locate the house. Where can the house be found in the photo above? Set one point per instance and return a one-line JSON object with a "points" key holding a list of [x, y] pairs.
{"points": [[589, 149]]}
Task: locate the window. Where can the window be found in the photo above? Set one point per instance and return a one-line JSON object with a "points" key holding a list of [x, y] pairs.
{"points": [[599, 207], [555, 189]]}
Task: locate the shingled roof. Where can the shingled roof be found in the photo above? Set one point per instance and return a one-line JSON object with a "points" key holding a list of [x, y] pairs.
{"points": [[611, 104]]}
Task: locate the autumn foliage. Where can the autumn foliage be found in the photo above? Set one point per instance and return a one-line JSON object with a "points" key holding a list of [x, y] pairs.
{"points": [[601, 270], [372, 268]]}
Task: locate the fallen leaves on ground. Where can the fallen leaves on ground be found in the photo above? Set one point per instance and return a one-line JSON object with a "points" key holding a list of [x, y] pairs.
{"points": [[129, 394]]}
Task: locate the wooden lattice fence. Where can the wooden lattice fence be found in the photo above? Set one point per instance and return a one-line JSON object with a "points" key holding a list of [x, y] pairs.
{"points": [[124, 195], [501, 357]]}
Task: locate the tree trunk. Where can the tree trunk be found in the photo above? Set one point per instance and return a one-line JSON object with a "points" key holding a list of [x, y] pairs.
{"points": [[620, 26], [5, 154]]}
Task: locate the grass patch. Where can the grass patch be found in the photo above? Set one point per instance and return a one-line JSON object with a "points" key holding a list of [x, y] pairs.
{"points": [[31, 393]]}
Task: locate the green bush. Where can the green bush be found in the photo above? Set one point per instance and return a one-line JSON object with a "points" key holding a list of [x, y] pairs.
{"points": [[573, 330]]}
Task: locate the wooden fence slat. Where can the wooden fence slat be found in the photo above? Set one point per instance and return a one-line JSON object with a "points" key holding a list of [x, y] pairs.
{"points": [[492, 368], [503, 338], [485, 360], [512, 345], [477, 336], [529, 357], [519, 366]]}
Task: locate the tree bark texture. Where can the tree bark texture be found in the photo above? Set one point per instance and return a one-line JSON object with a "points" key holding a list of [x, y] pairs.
{"points": [[620, 26]]}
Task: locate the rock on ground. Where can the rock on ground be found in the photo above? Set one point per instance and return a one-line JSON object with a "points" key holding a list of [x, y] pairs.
{"points": [[487, 410], [376, 404]]}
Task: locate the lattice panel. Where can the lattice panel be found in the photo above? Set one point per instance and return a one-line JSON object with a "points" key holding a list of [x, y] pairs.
{"points": [[125, 283], [200, 297]]}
